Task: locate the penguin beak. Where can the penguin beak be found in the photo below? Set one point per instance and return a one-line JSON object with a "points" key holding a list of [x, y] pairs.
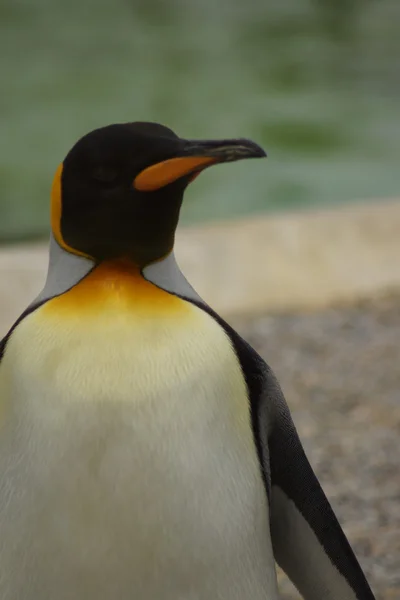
{"points": [[195, 156]]}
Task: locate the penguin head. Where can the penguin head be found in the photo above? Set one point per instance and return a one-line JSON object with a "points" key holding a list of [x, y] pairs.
{"points": [[119, 191]]}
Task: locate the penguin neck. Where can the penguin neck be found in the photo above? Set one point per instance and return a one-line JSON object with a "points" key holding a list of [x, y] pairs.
{"points": [[114, 288], [66, 270]]}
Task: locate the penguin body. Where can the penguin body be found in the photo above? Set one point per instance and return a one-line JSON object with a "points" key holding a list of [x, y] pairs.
{"points": [[146, 451], [132, 424]]}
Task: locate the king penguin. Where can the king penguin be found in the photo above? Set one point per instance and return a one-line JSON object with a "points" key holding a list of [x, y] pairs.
{"points": [[146, 450]]}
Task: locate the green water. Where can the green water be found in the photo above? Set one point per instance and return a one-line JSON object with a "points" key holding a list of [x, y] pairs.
{"points": [[316, 83]]}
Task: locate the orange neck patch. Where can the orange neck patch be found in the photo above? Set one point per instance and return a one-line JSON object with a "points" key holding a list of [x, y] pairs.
{"points": [[56, 210], [117, 287]]}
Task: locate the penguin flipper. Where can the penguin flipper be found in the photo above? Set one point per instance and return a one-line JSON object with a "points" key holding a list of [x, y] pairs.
{"points": [[308, 542]]}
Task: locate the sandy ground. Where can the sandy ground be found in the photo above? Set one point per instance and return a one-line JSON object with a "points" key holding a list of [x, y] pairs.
{"points": [[340, 371]]}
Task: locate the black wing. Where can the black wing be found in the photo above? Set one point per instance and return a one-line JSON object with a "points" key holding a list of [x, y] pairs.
{"points": [[308, 542]]}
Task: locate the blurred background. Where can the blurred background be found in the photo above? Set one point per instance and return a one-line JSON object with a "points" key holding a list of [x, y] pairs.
{"points": [[317, 83]]}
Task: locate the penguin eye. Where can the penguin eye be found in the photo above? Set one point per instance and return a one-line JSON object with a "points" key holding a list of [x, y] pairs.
{"points": [[104, 174]]}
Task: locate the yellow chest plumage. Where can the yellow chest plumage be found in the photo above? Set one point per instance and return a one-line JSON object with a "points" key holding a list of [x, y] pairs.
{"points": [[116, 336], [127, 409]]}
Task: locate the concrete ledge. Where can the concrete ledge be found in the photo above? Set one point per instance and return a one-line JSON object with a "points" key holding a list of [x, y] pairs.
{"points": [[281, 262]]}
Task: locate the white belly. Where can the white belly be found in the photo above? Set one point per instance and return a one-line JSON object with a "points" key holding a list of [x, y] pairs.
{"points": [[127, 466]]}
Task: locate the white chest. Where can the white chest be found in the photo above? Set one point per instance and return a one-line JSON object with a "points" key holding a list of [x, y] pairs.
{"points": [[127, 464]]}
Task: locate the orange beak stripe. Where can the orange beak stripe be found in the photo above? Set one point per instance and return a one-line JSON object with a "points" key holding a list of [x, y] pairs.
{"points": [[165, 172]]}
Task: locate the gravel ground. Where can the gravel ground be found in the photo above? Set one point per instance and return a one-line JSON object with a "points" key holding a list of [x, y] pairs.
{"points": [[340, 372]]}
